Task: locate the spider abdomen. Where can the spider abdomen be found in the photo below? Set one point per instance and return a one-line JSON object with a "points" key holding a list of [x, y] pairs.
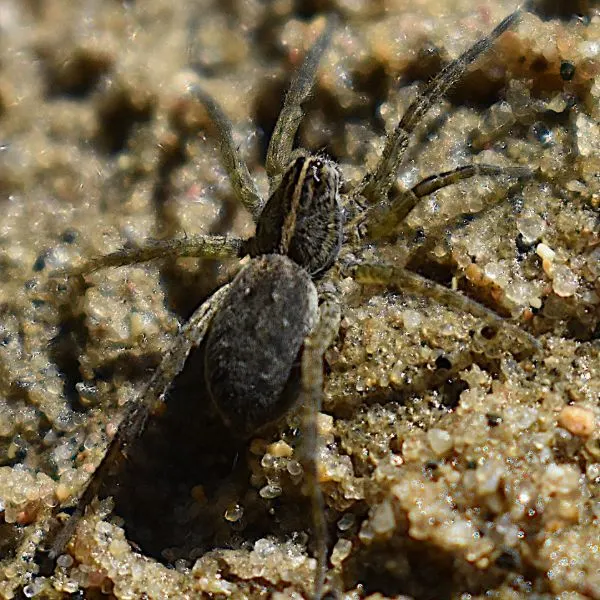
{"points": [[253, 342]]}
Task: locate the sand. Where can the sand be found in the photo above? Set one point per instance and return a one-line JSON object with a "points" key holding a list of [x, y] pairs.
{"points": [[455, 460]]}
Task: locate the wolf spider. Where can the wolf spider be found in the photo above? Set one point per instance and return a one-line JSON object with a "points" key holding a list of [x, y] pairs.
{"points": [[258, 325]]}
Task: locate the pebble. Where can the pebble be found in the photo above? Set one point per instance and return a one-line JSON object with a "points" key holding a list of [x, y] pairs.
{"points": [[564, 281], [439, 440], [280, 449], [341, 551], [577, 420]]}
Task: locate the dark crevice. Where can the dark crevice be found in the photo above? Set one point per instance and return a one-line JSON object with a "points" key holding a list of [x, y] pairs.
{"points": [[119, 115], [183, 473], [65, 351], [75, 76], [552, 9]]}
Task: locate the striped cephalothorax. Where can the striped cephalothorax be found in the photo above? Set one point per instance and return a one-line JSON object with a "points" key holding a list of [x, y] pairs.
{"points": [[303, 217], [265, 332]]}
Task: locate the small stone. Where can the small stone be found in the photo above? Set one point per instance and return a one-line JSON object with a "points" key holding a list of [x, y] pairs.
{"points": [[577, 420], [324, 424], [574, 185], [280, 449], [264, 547], [488, 476], [411, 320], [270, 491], [439, 440], [294, 468], [234, 513], [558, 103], [567, 70], [593, 262], [531, 228], [561, 479], [588, 135], [542, 134], [497, 273], [64, 561], [346, 521], [340, 552], [545, 252], [474, 274], [382, 519], [564, 281], [62, 493], [518, 292]]}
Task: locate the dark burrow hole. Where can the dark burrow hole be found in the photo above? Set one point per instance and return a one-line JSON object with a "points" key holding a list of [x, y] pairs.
{"points": [[183, 474]]}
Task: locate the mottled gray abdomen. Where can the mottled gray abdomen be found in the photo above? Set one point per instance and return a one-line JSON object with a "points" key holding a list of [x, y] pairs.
{"points": [[254, 341]]}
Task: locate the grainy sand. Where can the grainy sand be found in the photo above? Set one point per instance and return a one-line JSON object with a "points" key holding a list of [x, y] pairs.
{"points": [[454, 462]]}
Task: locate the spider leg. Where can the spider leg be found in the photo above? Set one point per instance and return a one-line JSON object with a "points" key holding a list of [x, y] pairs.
{"points": [[381, 220], [137, 413], [407, 281], [377, 182], [315, 346], [241, 181], [201, 246], [440, 180], [282, 140]]}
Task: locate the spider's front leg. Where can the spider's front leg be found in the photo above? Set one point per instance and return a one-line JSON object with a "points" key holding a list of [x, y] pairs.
{"points": [[215, 247], [377, 182], [315, 346], [279, 153], [137, 413], [237, 170], [381, 221], [281, 144]]}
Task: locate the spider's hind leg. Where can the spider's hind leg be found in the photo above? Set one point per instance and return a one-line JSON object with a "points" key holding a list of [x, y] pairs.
{"points": [[315, 346], [137, 413], [403, 280]]}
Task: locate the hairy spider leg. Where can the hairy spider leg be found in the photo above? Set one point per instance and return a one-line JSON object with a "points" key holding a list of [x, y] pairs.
{"points": [[404, 280], [279, 152], [237, 171], [315, 346], [377, 182], [201, 246], [282, 140], [137, 412], [381, 220]]}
